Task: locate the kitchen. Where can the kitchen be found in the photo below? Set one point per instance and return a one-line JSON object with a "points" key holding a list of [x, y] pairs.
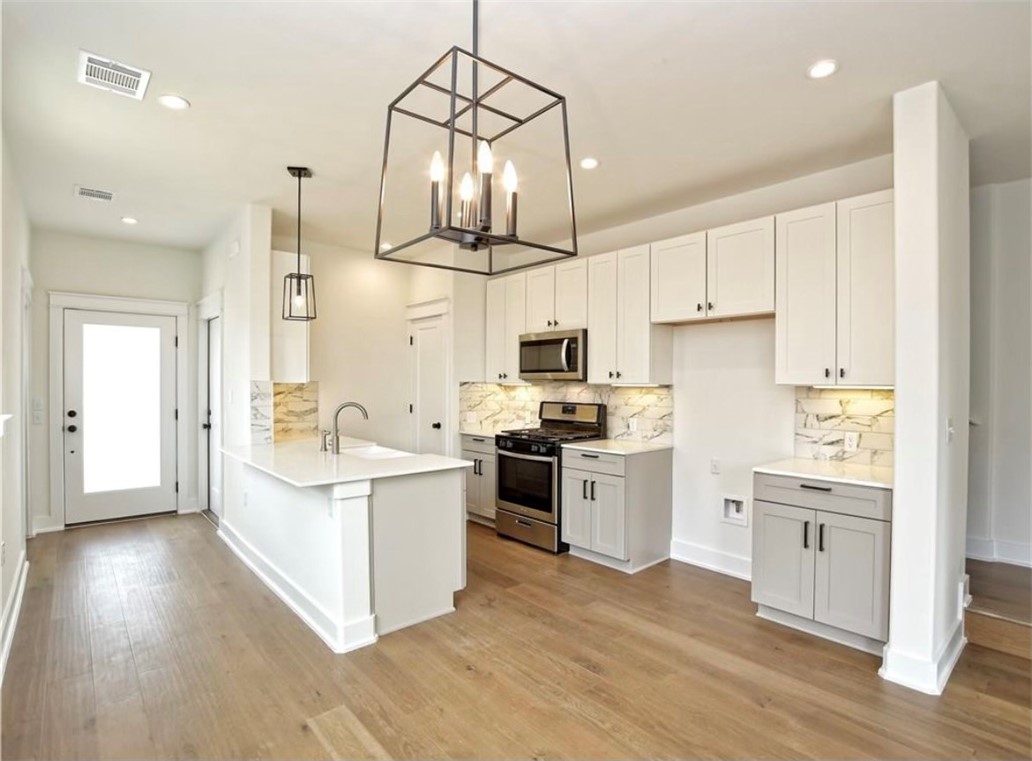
{"points": [[575, 499]]}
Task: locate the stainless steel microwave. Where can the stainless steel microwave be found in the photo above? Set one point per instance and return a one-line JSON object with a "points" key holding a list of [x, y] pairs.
{"points": [[558, 355]]}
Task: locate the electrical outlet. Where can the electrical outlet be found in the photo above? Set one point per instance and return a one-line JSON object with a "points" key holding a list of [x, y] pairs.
{"points": [[714, 466], [632, 424], [471, 417], [852, 441], [735, 511]]}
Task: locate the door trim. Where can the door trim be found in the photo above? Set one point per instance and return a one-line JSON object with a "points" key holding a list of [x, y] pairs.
{"points": [[207, 309], [59, 301]]}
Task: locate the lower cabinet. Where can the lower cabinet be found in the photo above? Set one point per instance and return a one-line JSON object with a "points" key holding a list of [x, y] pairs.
{"points": [[595, 512], [480, 479]]}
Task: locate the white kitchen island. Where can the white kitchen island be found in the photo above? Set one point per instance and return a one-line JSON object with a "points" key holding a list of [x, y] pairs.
{"points": [[357, 544]]}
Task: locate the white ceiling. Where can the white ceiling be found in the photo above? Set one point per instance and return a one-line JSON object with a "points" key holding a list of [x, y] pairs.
{"points": [[680, 101]]}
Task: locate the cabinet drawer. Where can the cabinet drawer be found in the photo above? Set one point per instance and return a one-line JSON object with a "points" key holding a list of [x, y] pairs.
{"points": [[485, 444], [830, 496], [595, 462]]}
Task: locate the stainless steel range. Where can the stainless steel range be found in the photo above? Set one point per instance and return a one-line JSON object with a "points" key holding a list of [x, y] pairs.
{"points": [[529, 495]]}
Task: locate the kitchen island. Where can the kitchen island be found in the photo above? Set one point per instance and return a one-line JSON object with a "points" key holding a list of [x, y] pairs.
{"points": [[358, 544]]}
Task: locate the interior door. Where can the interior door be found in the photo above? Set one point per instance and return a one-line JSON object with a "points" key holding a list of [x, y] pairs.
{"points": [[783, 557], [214, 420], [119, 416], [430, 391]]}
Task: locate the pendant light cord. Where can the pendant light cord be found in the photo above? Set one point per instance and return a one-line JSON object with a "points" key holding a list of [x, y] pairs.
{"points": [[299, 174], [476, 93]]}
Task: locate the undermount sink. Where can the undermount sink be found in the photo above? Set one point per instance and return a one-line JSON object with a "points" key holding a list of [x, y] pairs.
{"points": [[375, 452]]}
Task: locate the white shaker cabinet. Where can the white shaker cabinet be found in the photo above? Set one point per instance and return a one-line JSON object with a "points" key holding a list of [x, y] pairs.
{"points": [[557, 297], [481, 478], [602, 312], [679, 279], [740, 269], [782, 561], [506, 322], [540, 299]]}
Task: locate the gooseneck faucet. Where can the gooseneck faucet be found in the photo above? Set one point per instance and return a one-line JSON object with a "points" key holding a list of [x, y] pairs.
{"points": [[335, 437]]}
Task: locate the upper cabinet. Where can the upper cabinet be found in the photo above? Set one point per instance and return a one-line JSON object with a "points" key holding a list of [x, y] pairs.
{"points": [[289, 350], [506, 322], [834, 321], [720, 273], [623, 345], [557, 297]]}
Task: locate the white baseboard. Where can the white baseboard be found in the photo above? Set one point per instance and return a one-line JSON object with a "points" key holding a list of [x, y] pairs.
{"points": [[44, 525], [999, 551], [711, 559], [418, 620], [341, 637], [12, 610], [624, 566], [808, 625], [924, 675]]}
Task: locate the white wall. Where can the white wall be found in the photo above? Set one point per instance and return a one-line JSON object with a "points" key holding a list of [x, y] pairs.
{"points": [[999, 499], [926, 632], [73, 263]]}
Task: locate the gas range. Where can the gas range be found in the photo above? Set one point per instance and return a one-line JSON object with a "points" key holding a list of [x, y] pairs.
{"points": [[543, 440]]}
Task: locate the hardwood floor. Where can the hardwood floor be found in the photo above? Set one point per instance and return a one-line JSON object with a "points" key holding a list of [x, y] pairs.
{"points": [[1001, 589], [150, 640]]}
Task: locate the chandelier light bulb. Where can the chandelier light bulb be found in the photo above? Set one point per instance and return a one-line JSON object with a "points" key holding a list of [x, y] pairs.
{"points": [[485, 161], [466, 187], [509, 178], [436, 167]]}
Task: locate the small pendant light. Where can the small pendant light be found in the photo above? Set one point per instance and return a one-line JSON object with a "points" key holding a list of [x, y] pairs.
{"points": [[299, 289]]}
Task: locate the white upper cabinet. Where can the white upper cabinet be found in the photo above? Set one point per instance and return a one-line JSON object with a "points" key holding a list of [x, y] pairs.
{"points": [[866, 288], [494, 331], [602, 318], [804, 324], [540, 299], [557, 297], [506, 322], [633, 323], [740, 269], [679, 279]]}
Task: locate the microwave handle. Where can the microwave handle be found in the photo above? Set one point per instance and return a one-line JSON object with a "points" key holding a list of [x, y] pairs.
{"points": [[565, 353]]}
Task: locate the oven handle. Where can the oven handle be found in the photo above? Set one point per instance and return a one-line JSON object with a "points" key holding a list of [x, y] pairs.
{"points": [[534, 458], [564, 354]]}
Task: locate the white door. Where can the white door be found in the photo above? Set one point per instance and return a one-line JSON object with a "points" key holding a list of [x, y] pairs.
{"points": [[740, 269], [866, 284], [429, 385], [515, 324], [540, 300], [608, 516], [119, 416], [576, 517], [679, 279], [804, 321], [214, 416], [571, 295], [633, 321], [494, 347], [602, 318], [783, 557]]}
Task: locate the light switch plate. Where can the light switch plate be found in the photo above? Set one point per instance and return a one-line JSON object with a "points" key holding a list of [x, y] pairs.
{"points": [[714, 466], [852, 441]]}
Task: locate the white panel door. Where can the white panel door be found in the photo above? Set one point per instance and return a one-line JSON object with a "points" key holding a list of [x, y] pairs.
{"points": [[215, 416], [740, 269], [515, 324], [119, 416], [540, 300], [576, 517], [494, 347], [804, 320], [679, 279], [783, 557], [602, 318], [608, 516], [634, 322], [851, 585], [571, 295], [429, 386], [866, 284]]}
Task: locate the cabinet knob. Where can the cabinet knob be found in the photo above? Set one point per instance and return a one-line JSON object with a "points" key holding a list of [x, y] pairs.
{"points": [[842, 372], [827, 372], [709, 305], [72, 429], [698, 307], [619, 374], [549, 323], [436, 426], [610, 373], [555, 323]]}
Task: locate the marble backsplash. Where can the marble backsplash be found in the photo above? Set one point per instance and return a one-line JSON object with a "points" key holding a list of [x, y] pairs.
{"points": [[489, 407], [284, 411], [825, 415]]}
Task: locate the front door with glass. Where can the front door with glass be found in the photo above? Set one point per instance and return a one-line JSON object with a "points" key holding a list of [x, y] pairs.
{"points": [[119, 415]]}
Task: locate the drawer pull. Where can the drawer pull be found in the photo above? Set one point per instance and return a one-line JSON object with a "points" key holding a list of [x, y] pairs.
{"points": [[526, 524], [820, 538], [815, 488], [589, 456], [806, 535], [481, 441]]}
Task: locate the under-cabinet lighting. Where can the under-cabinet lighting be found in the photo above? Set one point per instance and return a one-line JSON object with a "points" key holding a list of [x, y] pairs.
{"points": [[858, 388]]}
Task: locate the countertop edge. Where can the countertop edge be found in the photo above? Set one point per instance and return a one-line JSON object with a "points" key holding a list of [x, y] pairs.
{"points": [[776, 470]]}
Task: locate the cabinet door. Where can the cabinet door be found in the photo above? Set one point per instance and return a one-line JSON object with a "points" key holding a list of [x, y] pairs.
{"points": [[740, 268], [782, 557], [494, 347], [571, 295], [851, 585], [633, 321], [804, 319], [608, 516], [472, 483], [576, 518], [866, 284], [540, 300], [488, 485], [679, 279], [515, 324], [602, 318]]}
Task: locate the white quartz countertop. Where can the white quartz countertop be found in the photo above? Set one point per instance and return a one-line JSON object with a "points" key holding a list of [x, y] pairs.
{"points": [[877, 476], [617, 446], [300, 463], [479, 434]]}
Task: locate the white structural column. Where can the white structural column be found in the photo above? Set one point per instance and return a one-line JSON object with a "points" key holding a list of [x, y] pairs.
{"points": [[926, 625]]}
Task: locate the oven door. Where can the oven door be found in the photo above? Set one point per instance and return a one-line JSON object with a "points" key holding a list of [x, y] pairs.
{"points": [[559, 355], [528, 485]]}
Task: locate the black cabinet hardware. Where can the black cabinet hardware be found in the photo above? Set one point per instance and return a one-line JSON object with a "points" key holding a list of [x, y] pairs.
{"points": [[589, 456], [592, 491], [436, 426], [698, 307], [72, 429], [842, 372], [806, 535], [815, 488], [584, 489], [820, 538], [827, 372], [709, 305]]}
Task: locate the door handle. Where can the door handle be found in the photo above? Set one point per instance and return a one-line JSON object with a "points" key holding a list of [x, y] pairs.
{"points": [[806, 535], [436, 426], [820, 538], [565, 355], [592, 491], [584, 490]]}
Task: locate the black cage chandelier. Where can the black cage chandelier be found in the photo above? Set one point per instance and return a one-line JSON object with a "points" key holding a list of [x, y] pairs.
{"points": [[461, 119], [299, 288]]}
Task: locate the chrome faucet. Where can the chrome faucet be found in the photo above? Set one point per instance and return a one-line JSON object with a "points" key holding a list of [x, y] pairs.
{"points": [[335, 434]]}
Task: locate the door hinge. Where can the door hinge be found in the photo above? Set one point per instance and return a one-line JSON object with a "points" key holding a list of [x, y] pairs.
{"points": [[177, 341], [177, 413], [410, 409], [177, 487], [411, 341]]}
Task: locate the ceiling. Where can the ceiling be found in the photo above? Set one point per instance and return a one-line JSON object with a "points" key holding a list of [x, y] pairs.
{"points": [[681, 102]]}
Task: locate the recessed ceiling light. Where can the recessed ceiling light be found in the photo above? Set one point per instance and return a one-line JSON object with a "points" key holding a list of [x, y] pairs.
{"points": [[588, 163], [175, 102], [823, 68], [129, 220], [385, 246]]}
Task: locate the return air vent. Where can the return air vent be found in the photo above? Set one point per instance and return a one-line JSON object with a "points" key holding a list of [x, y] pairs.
{"points": [[97, 71], [93, 194]]}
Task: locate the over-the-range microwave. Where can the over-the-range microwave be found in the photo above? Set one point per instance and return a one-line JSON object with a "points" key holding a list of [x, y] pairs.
{"points": [[558, 355]]}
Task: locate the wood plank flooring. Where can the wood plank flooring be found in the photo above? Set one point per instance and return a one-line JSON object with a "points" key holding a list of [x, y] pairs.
{"points": [[149, 639], [1001, 589]]}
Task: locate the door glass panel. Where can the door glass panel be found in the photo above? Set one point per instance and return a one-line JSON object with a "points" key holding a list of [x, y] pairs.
{"points": [[121, 407]]}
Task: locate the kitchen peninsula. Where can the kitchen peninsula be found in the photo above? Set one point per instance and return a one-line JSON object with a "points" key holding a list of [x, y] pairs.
{"points": [[358, 544]]}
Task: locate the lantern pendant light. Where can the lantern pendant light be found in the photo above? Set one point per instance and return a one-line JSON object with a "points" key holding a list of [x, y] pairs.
{"points": [[298, 288]]}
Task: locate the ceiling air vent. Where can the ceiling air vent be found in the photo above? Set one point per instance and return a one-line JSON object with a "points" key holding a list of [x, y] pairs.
{"points": [[96, 71], [93, 194]]}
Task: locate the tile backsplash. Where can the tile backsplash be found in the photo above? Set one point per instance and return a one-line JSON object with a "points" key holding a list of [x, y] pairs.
{"points": [[825, 415], [489, 407], [284, 411]]}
